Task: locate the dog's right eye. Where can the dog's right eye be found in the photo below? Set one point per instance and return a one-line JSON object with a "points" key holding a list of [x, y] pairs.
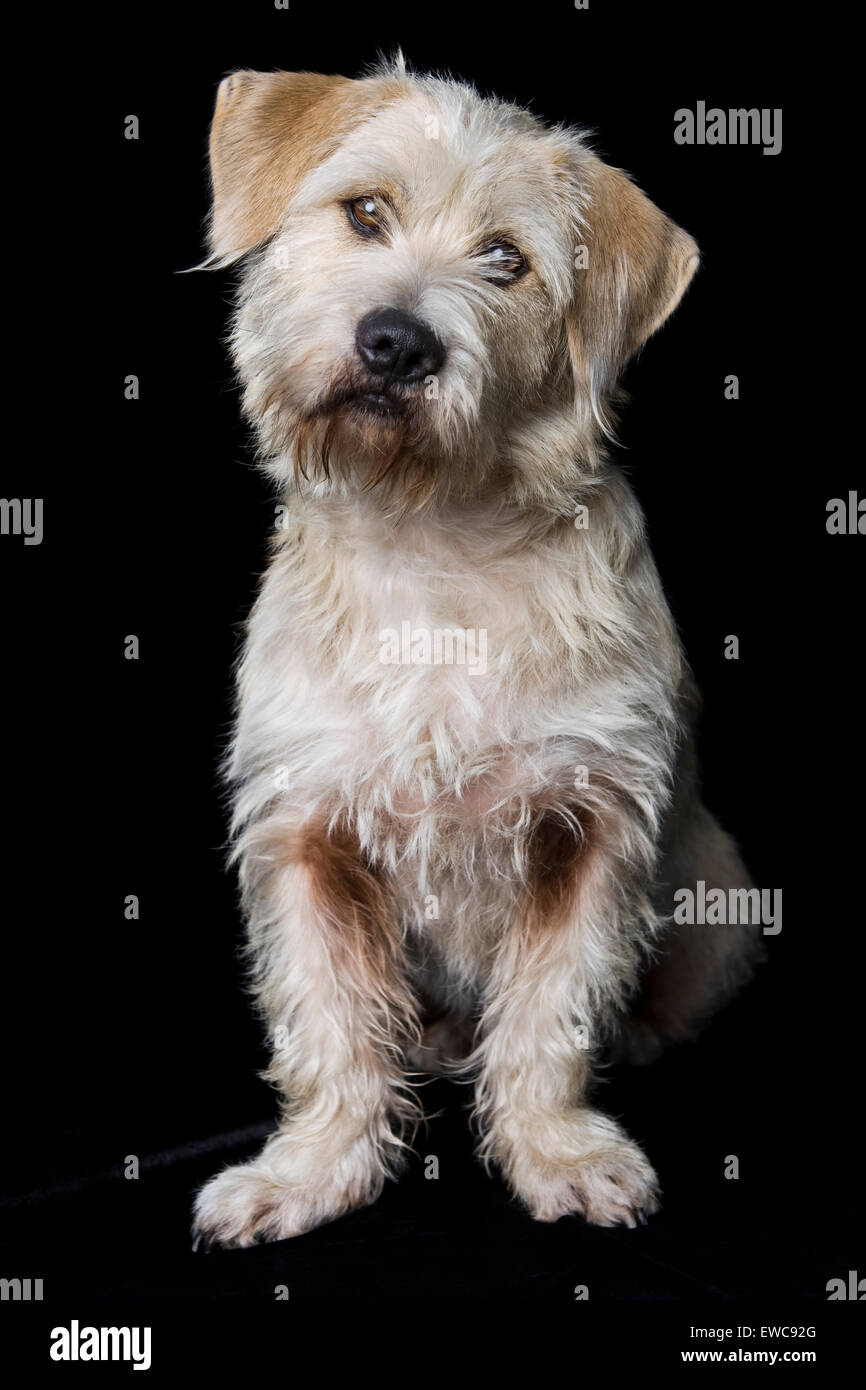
{"points": [[365, 214]]}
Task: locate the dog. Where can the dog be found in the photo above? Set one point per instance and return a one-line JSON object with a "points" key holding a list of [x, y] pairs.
{"points": [[452, 864]]}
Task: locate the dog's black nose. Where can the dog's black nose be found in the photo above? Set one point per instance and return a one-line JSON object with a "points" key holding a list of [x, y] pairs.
{"points": [[396, 346]]}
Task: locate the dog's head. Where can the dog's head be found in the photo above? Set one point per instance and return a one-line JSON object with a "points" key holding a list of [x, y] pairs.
{"points": [[429, 279]]}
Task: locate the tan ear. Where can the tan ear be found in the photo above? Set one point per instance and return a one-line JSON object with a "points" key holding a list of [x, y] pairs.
{"points": [[269, 129], [638, 265]]}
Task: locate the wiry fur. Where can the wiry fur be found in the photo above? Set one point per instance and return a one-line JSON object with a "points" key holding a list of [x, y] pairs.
{"points": [[362, 789]]}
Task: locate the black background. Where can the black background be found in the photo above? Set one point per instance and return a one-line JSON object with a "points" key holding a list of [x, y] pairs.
{"points": [[135, 1037]]}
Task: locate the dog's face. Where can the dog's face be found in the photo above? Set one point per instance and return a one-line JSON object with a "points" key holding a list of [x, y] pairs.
{"points": [[426, 272]]}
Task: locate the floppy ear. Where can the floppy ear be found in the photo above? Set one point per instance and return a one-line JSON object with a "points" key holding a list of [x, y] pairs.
{"points": [[268, 130], [638, 265]]}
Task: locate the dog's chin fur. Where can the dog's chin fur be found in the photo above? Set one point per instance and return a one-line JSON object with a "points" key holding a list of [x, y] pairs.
{"points": [[500, 844], [542, 455], [368, 440]]}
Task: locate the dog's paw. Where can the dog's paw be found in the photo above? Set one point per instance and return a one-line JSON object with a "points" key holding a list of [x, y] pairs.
{"points": [[249, 1203], [605, 1178], [244, 1204]]}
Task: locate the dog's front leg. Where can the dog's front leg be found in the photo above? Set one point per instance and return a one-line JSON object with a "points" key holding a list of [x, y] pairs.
{"points": [[561, 971], [327, 962]]}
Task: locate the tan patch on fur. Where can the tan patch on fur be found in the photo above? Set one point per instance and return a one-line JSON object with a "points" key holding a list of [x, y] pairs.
{"points": [[354, 906], [557, 854], [269, 129], [640, 264]]}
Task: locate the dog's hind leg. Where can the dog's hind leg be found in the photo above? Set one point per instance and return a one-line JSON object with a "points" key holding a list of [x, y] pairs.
{"points": [[699, 966]]}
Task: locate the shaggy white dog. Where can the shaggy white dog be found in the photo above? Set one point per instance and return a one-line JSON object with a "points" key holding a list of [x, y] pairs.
{"points": [[437, 296]]}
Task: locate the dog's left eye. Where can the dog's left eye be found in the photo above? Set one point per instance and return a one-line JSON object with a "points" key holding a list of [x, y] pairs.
{"points": [[503, 262], [366, 214]]}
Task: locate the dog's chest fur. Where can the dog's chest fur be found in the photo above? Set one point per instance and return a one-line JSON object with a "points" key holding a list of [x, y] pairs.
{"points": [[442, 767]]}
